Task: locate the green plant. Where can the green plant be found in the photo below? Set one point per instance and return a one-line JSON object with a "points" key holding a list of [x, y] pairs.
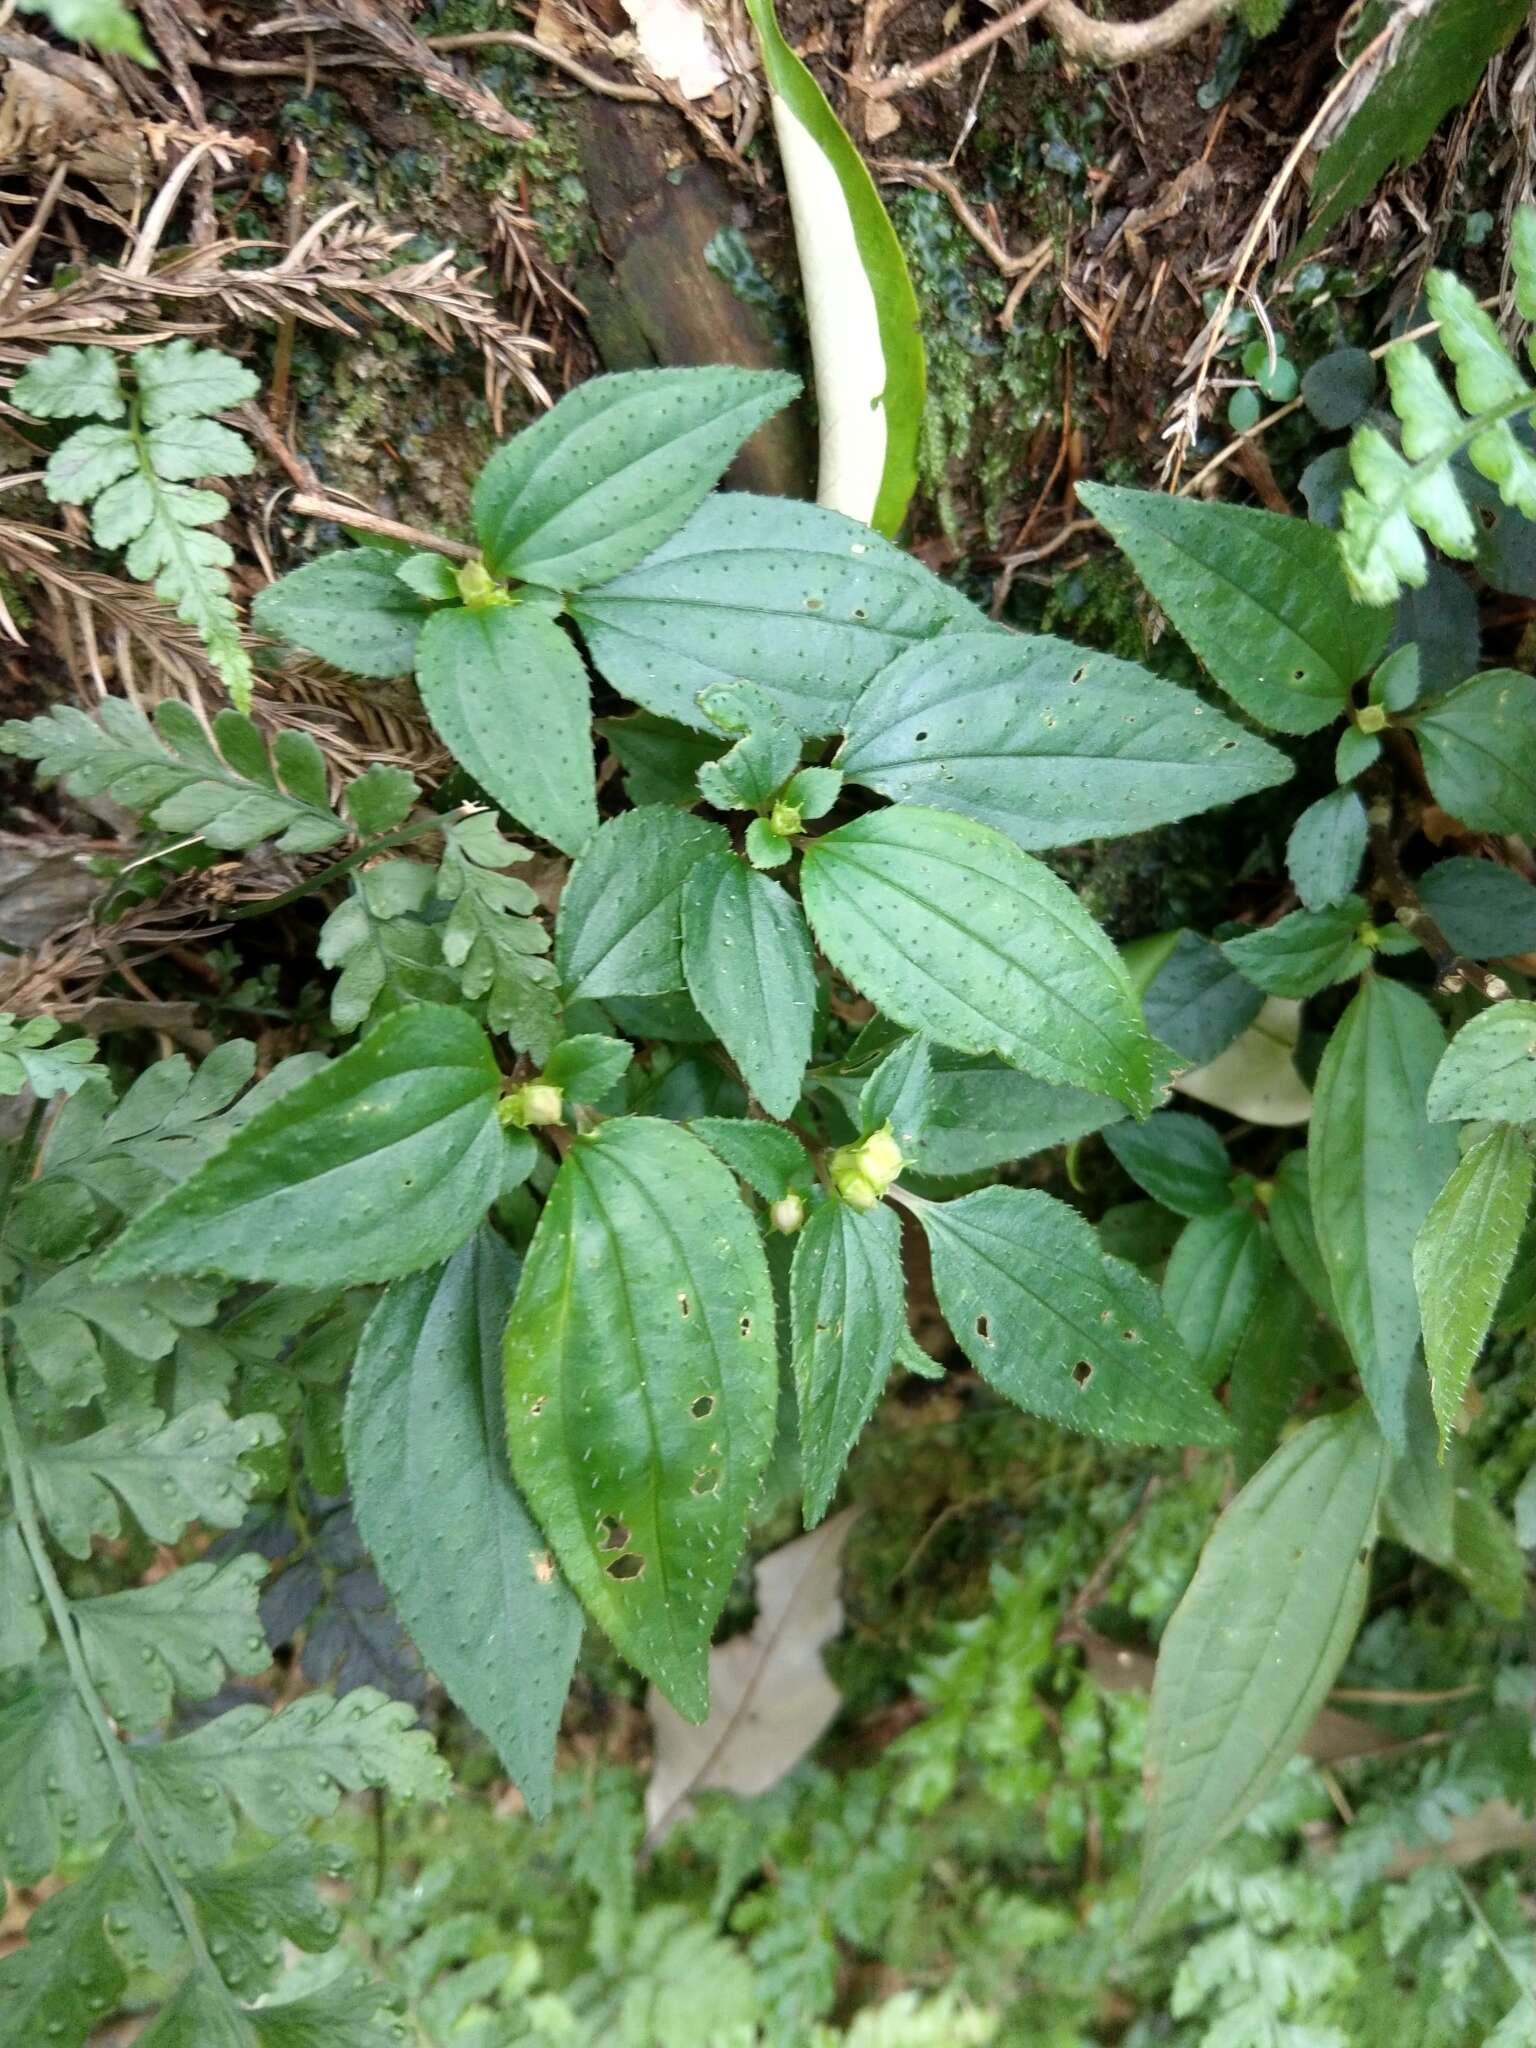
{"points": [[815, 985], [135, 465]]}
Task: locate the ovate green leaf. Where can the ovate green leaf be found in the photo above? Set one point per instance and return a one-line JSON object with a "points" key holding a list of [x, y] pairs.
{"points": [[847, 1314], [507, 693], [615, 469], [1046, 742], [1305, 952], [464, 1563], [350, 608], [1376, 1165], [1060, 1328], [1260, 598], [1178, 1159], [1325, 849], [382, 1163], [642, 1389], [802, 602], [1462, 1258], [747, 959], [620, 928], [1216, 1278], [1255, 1643], [1489, 1068], [1479, 749], [953, 931]]}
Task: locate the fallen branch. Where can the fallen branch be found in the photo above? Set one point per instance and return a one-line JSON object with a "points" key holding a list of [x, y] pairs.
{"points": [[1084, 40], [310, 507]]}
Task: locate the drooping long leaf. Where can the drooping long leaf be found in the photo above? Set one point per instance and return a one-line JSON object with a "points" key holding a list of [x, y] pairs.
{"points": [[1376, 1164], [642, 1389], [1255, 1643], [461, 1556], [748, 962], [847, 1314], [1462, 1257]]}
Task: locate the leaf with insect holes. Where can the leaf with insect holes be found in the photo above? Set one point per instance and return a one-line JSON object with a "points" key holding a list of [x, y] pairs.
{"points": [[642, 1389], [749, 967], [507, 694], [1060, 1328], [615, 469], [1462, 1257], [1256, 1642], [802, 602], [1260, 598], [380, 1164], [462, 1558], [954, 931], [848, 1298], [350, 608], [1047, 743], [1489, 1068], [1376, 1165]]}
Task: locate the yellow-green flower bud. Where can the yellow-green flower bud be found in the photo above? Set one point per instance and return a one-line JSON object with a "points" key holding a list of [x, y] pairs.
{"points": [[536, 1102], [479, 588], [785, 819], [1372, 717], [861, 1173], [787, 1213]]}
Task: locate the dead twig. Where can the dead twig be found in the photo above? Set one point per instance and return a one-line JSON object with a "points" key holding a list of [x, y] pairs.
{"points": [[1028, 265], [311, 507]]}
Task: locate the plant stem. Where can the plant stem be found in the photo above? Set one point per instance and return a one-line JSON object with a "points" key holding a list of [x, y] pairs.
{"points": [[422, 829], [374, 522], [19, 1480], [1451, 968]]}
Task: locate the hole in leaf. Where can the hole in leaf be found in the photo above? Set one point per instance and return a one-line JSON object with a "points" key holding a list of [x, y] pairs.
{"points": [[1298, 675], [536, 1406], [629, 1566], [1082, 1372], [705, 1405], [1129, 1336], [615, 1536], [682, 1302], [543, 1563], [918, 738], [983, 1328], [1078, 675], [746, 1326], [707, 1479]]}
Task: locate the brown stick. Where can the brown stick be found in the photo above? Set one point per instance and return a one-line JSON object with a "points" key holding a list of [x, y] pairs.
{"points": [[310, 507], [1084, 40], [1452, 970], [911, 76]]}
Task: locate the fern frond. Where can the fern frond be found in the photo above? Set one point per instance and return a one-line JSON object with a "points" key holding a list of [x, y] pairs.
{"points": [[230, 791], [135, 476], [1413, 491]]}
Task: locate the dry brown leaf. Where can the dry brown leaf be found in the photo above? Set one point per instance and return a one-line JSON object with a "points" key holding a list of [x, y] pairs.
{"points": [[770, 1698], [676, 44]]}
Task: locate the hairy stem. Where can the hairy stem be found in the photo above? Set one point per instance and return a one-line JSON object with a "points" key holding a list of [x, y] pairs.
{"points": [[1452, 970]]}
